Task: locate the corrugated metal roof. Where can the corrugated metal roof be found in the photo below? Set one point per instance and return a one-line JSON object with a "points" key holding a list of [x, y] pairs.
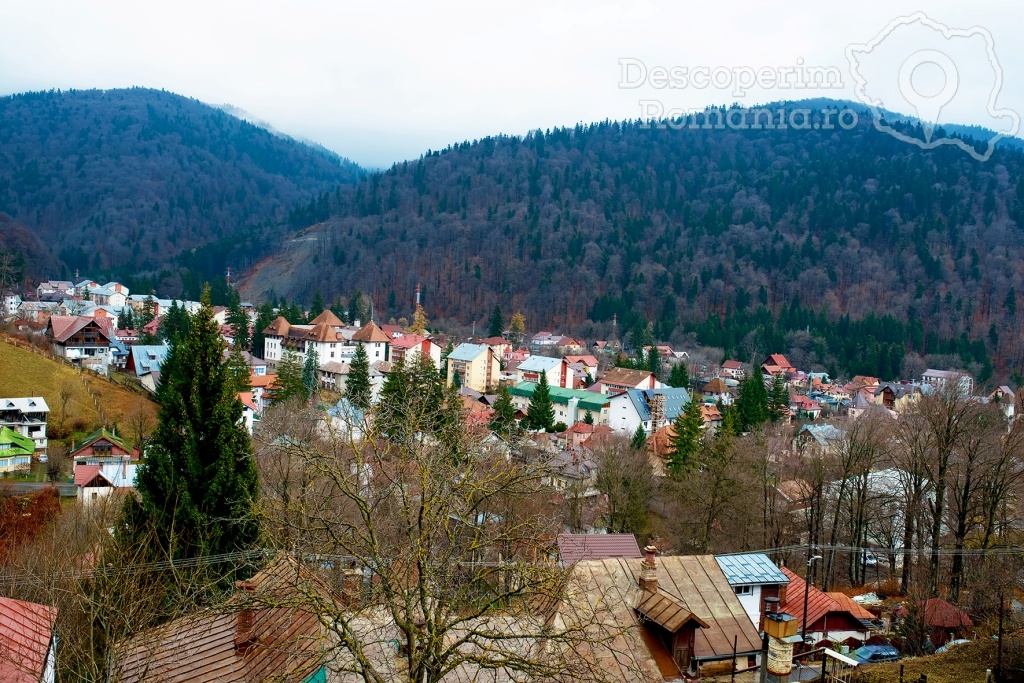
{"points": [[467, 352], [695, 581], [750, 569], [575, 547], [666, 611]]}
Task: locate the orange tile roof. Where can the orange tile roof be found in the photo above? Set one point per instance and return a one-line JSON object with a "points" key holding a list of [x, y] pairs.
{"points": [[371, 334], [264, 381], [328, 318]]}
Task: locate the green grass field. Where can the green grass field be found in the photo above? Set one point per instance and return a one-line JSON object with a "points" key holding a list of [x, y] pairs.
{"points": [[24, 373]]}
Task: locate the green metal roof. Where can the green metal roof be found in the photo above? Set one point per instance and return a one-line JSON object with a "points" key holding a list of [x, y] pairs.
{"points": [[19, 445], [588, 399]]}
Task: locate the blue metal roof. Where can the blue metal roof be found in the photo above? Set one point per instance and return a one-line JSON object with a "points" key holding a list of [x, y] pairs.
{"points": [[750, 569], [539, 363], [467, 352]]}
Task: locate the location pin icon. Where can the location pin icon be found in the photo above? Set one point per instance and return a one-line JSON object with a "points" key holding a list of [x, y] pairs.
{"points": [[928, 106]]}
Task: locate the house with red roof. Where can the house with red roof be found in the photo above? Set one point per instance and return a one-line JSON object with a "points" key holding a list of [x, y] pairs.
{"points": [[83, 340], [776, 364], [943, 621], [830, 617], [410, 346], [28, 647], [733, 369]]}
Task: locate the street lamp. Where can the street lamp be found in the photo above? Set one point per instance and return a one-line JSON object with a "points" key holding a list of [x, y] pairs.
{"points": [[807, 592]]}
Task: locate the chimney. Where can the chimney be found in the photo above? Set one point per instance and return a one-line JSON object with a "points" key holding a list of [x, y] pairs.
{"points": [[649, 570], [245, 628], [782, 594]]}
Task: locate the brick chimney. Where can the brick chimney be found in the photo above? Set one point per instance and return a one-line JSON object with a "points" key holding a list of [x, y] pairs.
{"points": [[649, 570], [245, 628]]}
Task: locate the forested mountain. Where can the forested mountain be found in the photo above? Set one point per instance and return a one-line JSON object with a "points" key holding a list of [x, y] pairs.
{"points": [[695, 229], [118, 182]]}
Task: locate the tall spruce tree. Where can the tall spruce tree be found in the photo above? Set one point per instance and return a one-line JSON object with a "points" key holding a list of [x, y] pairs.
{"points": [[264, 316], [679, 378], [687, 440], [639, 440], [541, 412], [504, 420], [311, 371], [176, 323], [778, 399], [752, 403], [199, 482], [496, 324], [357, 386], [318, 306], [289, 377], [239, 321]]}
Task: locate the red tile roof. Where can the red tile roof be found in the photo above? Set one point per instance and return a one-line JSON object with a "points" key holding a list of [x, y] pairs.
{"points": [[818, 603], [732, 365], [86, 473], [26, 629], [408, 341], [575, 547]]}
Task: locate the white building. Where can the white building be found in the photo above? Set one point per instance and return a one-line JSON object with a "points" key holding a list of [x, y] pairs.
{"points": [[27, 416], [940, 379], [651, 409], [753, 578]]}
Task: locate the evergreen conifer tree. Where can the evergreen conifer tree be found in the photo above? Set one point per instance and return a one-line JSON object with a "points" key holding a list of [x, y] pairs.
{"points": [[504, 420], [752, 404], [125, 319], [778, 399], [289, 377], [496, 324], [357, 386], [310, 372], [239, 321], [176, 323], [588, 418], [199, 482], [264, 316], [541, 413], [639, 440], [685, 444], [318, 306], [679, 378], [238, 370]]}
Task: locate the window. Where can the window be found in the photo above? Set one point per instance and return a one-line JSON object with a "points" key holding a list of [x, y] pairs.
{"points": [[743, 590]]}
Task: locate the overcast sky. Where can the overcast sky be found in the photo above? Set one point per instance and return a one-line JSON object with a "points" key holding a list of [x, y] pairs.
{"points": [[383, 81]]}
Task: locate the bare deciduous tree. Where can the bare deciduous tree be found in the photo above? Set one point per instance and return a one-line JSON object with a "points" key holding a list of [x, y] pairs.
{"points": [[441, 544]]}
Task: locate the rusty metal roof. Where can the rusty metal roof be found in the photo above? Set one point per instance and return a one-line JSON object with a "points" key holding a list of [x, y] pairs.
{"points": [[666, 611], [695, 582], [285, 643]]}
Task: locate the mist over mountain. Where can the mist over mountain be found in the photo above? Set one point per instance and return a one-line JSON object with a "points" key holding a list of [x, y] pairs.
{"points": [[717, 233], [123, 181]]}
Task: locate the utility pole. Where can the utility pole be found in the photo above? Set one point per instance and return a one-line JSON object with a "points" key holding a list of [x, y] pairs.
{"points": [[811, 558]]}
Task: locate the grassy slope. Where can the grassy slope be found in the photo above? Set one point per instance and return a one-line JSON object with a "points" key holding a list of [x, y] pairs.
{"points": [[962, 664], [23, 373]]}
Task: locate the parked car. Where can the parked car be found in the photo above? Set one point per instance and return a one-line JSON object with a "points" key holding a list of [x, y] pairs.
{"points": [[869, 654], [869, 558]]}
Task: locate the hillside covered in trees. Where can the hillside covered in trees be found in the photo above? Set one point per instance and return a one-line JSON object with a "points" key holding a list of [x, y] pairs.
{"points": [[119, 182], [697, 230]]}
